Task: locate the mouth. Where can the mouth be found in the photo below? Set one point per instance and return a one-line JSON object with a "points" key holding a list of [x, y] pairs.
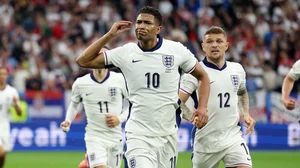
{"points": [[141, 32], [215, 51]]}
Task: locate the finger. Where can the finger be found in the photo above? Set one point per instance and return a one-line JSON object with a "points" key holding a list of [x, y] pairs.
{"points": [[194, 116], [245, 125], [125, 29], [124, 22], [247, 131]]}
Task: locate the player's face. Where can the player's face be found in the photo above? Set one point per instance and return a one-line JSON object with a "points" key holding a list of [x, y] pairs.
{"points": [[146, 27], [214, 46], [3, 75]]}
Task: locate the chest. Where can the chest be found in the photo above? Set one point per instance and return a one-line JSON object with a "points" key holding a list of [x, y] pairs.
{"points": [[224, 81], [93, 94]]}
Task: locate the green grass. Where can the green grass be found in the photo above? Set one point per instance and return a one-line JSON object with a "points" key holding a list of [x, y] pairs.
{"points": [[72, 159]]}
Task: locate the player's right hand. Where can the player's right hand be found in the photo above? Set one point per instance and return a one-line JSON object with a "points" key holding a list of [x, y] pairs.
{"points": [[119, 27], [200, 117], [289, 103], [65, 126]]}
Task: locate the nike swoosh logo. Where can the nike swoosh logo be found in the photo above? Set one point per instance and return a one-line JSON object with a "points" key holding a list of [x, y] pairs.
{"points": [[212, 82], [248, 159], [134, 61], [88, 94]]}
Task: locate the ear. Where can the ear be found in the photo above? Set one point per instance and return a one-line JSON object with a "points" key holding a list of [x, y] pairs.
{"points": [[227, 45], [158, 29], [203, 48]]}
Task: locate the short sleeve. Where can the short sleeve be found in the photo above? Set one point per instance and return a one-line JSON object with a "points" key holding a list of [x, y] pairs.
{"points": [[114, 56], [243, 78], [189, 61], [188, 84], [295, 71], [124, 87], [75, 97]]}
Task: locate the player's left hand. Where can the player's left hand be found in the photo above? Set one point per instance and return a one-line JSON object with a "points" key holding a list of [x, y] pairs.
{"points": [[202, 117], [112, 120], [249, 124]]}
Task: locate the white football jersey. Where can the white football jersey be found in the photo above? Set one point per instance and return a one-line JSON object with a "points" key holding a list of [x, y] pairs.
{"points": [[152, 78], [222, 129], [295, 70], [100, 98], [6, 101]]}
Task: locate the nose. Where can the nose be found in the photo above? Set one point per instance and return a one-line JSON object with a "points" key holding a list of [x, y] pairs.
{"points": [[214, 44]]}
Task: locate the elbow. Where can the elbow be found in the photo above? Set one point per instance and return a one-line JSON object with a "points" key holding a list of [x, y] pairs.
{"points": [[80, 62]]}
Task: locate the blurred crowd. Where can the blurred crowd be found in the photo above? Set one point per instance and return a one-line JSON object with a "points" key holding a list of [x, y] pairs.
{"points": [[41, 39]]}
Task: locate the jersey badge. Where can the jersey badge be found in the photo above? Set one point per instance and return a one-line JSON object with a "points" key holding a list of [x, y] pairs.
{"points": [[168, 61], [112, 92], [235, 81]]}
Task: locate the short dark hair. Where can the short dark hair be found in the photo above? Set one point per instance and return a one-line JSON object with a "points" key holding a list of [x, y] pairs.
{"points": [[215, 30], [152, 11]]}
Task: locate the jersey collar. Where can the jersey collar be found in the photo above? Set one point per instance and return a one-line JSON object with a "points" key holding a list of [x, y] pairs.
{"points": [[157, 46], [94, 79], [213, 66]]}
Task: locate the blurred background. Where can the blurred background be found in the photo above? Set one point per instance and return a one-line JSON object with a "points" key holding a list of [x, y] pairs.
{"points": [[41, 39]]}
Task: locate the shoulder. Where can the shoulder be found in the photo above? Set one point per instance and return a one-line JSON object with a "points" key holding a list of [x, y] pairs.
{"points": [[297, 64], [10, 88], [173, 43], [116, 76], [235, 66], [83, 79]]}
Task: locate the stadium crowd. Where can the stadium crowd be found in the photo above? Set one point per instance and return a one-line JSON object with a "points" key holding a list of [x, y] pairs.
{"points": [[41, 39]]}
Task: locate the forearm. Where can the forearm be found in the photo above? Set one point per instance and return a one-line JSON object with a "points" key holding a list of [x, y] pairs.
{"points": [[72, 111], [90, 54], [288, 84], [203, 91], [243, 102], [18, 109]]}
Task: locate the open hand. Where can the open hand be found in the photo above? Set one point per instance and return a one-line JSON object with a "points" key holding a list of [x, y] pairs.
{"points": [[119, 27]]}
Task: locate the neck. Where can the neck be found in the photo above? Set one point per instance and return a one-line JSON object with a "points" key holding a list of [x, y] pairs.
{"points": [[2, 86], [100, 74], [148, 45], [218, 62]]}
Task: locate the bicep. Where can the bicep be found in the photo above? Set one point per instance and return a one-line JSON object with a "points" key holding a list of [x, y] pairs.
{"points": [[198, 72], [183, 96]]}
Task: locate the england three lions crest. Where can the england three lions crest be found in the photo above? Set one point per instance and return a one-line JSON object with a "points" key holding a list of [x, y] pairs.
{"points": [[235, 80], [168, 60], [112, 92]]}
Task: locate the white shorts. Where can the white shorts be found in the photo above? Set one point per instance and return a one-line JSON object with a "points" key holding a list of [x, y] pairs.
{"points": [[4, 138], [99, 153], [151, 152], [236, 155]]}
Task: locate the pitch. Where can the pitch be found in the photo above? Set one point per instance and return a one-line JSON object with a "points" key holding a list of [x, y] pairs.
{"points": [[274, 159]]}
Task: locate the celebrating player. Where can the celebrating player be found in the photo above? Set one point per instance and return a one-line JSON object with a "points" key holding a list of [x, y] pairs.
{"points": [[288, 84], [101, 93], [8, 97], [151, 71], [221, 138]]}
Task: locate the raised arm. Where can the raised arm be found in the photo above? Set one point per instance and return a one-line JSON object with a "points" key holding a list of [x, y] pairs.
{"points": [[91, 58]]}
